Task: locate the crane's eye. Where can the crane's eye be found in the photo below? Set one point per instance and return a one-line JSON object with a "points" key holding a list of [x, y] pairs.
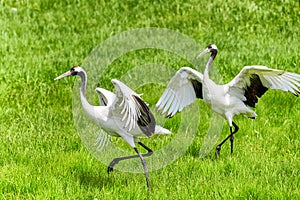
{"points": [[73, 72]]}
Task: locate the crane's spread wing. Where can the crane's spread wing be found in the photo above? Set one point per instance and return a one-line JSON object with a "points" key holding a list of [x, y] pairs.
{"points": [[182, 90], [132, 109], [253, 81], [106, 98]]}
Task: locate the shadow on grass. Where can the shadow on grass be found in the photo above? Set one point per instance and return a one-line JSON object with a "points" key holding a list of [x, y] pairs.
{"points": [[95, 179]]}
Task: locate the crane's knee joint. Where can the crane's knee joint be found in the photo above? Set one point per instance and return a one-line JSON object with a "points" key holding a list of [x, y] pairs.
{"points": [[231, 138]]}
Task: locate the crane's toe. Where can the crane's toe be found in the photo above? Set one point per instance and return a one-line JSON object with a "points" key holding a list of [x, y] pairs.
{"points": [[110, 169], [112, 164]]}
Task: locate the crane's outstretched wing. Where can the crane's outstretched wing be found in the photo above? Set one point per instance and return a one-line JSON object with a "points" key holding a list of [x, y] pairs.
{"points": [[132, 109], [106, 98], [253, 81], [182, 90]]}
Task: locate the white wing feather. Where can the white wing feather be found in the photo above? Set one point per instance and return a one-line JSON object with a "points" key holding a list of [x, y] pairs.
{"points": [[270, 78], [106, 98], [179, 92], [124, 105]]}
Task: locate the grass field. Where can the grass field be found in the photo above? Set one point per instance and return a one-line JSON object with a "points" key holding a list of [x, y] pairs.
{"points": [[41, 153]]}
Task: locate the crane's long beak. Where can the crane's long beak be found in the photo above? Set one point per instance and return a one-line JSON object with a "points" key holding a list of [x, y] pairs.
{"points": [[203, 53], [68, 73]]}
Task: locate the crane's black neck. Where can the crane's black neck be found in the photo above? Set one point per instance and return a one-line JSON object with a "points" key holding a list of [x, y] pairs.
{"points": [[213, 55]]}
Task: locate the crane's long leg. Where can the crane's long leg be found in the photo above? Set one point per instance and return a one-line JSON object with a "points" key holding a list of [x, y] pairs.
{"points": [[117, 160], [231, 136], [144, 166], [236, 128]]}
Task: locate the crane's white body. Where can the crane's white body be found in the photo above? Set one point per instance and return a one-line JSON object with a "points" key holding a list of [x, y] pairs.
{"points": [[225, 102]]}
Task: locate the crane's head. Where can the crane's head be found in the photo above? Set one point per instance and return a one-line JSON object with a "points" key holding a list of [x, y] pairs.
{"points": [[72, 72], [211, 48]]}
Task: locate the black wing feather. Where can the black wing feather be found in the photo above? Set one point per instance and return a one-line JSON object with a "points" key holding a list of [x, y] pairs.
{"points": [[198, 88], [146, 121], [254, 91]]}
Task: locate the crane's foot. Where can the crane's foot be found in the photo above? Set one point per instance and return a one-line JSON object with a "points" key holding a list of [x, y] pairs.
{"points": [[218, 149], [110, 168]]}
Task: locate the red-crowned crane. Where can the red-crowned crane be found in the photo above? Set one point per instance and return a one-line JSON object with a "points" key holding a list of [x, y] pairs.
{"points": [[227, 100], [123, 114]]}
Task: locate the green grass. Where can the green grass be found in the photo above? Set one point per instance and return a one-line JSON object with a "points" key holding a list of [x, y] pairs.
{"points": [[41, 154]]}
